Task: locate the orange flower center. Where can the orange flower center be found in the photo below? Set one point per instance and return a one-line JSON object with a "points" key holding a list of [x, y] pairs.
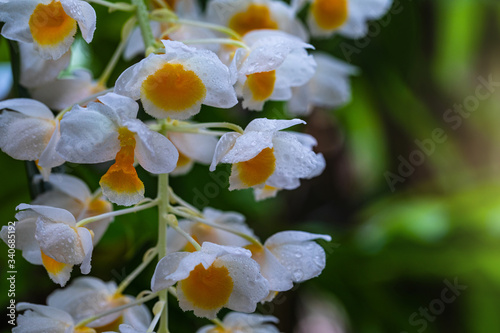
{"points": [[50, 25], [258, 169], [261, 84], [173, 88], [329, 14], [208, 288], [122, 177], [255, 17]]}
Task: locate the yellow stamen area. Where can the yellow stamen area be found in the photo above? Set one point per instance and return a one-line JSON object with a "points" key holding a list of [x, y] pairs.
{"points": [[52, 266], [173, 88], [86, 330], [183, 160], [257, 251], [261, 84], [50, 25], [97, 206], [258, 169], [255, 17], [111, 327], [122, 177], [208, 289], [329, 14]]}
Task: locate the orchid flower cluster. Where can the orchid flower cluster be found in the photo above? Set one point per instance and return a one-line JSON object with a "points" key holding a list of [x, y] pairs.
{"points": [[251, 51]]}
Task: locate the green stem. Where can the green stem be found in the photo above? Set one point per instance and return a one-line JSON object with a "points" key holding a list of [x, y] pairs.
{"points": [[148, 257], [190, 239], [116, 56], [225, 41], [220, 28], [143, 19], [227, 125], [118, 309], [156, 318], [174, 198], [114, 5], [116, 213], [163, 204]]}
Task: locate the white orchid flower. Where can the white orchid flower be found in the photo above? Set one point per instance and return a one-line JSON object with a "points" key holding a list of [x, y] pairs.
{"points": [[29, 132], [89, 296], [205, 233], [49, 24], [275, 63], [212, 278], [264, 155], [109, 130], [328, 88], [175, 84]]}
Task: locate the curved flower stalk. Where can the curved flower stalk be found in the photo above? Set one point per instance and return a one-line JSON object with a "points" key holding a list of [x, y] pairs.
{"points": [[244, 16], [274, 63], [30, 132], [42, 318], [49, 24], [175, 84], [347, 17], [328, 88], [235, 322], [264, 156], [212, 278], [201, 232], [110, 130], [88, 296]]}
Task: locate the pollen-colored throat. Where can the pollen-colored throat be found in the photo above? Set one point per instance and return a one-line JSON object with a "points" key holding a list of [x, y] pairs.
{"points": [[330, 14], [261, 85], [52, 266], [121, 177], [208, 289], [50, 25], [173, 88], [257, 170], [255, 17]]}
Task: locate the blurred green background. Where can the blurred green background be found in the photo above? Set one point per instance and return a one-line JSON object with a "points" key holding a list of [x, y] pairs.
{"points": [[398, 245]]}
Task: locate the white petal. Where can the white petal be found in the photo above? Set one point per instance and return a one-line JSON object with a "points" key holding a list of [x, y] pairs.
{"points": [[247, 146], [296, 70], [165, 267], [24, 137], [16, 15], [71, 186], [35, 70], [154, 151], [198, 147], [124, 106], [28, 107], [249, 288], [49, 157], [86, 241], [293, 159], [89, 135], [51, 213], [277, 275], [25, 237], [360, 11], [84, 14], [273, 125], [41, 318], [225, 144], [296, 251], [65, 92], [138, 317]]}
